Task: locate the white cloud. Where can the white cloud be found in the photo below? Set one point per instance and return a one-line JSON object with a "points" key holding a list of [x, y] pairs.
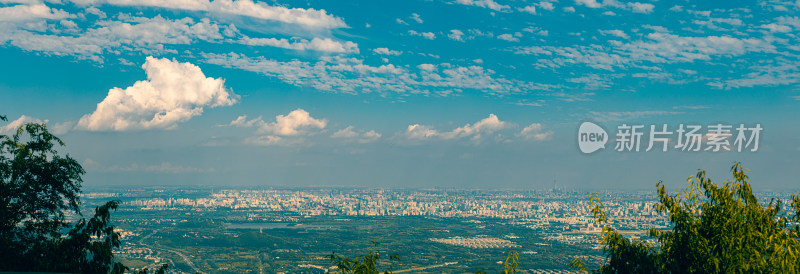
{"points": [[426, 35], [174, 92], [536, 132], [781, 72], [69, 25], [241, 121], [370, 136], [538, 103], [569, 9], [632, 6], [477, 131], [96, 11], [426, 67], [489, 4], [285, 130], [529, 9], [664, 47], [776, 27], [593, 81], [475, 33], [304, 17], [536, 31], [791, 21], [147, 35], [641, 7], [720, 24], [54, 128], [30, 12], [508, 37], [12, 126], [486, 126], [361, 137], [658, 47], [416, 17], [347, 132], [317, 44], [615, 32], [546, 5], [420, 132], [298, 122], [351, 75], [386, 51], [589, 3], [29, 2], [456, 35]]}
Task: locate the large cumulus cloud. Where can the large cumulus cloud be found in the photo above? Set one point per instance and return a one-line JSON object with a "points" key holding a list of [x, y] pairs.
{"points": [[174, 92]]}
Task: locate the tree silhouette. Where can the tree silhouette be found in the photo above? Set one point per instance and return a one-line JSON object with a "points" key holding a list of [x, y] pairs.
{"points": [[366, 264], [39, 190], [715, 229]]}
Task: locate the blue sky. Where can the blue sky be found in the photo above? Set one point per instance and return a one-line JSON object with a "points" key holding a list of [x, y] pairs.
{"points": [[464, 93]]}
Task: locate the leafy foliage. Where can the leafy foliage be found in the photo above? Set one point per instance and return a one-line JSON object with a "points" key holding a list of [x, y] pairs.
{"points": [[366, 264], [160, 270], [715, 229], [509, 265], [39, 190]]}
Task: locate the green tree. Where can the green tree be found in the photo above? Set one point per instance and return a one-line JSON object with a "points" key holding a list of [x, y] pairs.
{"points": [[161, 270], [366, 264], [715, 229], [509, 265], [39, 192], [511, 262]]}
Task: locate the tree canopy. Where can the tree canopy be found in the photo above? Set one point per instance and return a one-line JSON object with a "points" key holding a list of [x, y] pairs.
{"points": [[715, 229], [366, 264], [39, 194]]}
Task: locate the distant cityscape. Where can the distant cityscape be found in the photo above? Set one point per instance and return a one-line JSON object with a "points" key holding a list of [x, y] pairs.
{"points": [[535, 208], [289, 230]]}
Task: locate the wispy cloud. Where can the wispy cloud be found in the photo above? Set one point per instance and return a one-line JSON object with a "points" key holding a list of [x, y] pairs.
{"points": [[350, 75], [489, 4], [249, 8], [628, 115]]}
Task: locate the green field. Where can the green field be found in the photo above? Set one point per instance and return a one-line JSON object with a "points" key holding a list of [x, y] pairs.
{"points": [[221, 241]]}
